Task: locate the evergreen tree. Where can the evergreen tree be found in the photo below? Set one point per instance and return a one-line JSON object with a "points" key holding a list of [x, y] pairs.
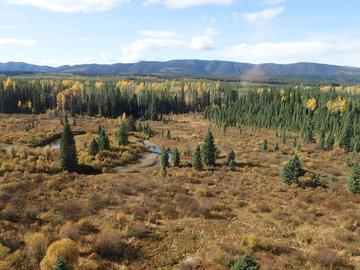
{"points": [[131, 123], [104, 142], [295, 144], [61, 264], [209, 150], [316, 182], [176, 158], [322, 141], [197, 161], [276, 147], [283, 137], [345, 137], [168, 135], [309, 131], [94, 148], [68, 155], [231, 157], [164, 161], [357, 145], [291, 171], [329, 142], [353, 182], [264, 145], [123, 134], [245, 262]]}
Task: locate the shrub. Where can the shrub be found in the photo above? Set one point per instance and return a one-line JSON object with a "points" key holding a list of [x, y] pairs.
{"points": [[245, 262], [109, 244], [328, 257], [64, 248], [36, 245], [69, 230]]}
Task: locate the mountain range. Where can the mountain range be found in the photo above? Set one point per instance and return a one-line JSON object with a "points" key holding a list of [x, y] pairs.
{"points": [[201, 69]]}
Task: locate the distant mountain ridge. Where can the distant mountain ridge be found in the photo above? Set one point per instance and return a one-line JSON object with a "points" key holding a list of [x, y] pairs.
{"points": [[200, 68]]}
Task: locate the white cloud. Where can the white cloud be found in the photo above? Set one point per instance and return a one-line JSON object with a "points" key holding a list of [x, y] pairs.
{"points": [[14, 42], [70, 6], [274, 2], [7, 27], [156, 41], [178, 4], [344, 51], [263, 15]]}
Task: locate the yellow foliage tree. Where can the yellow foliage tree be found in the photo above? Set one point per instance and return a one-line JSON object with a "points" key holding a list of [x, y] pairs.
{"points": [[311, 104]]}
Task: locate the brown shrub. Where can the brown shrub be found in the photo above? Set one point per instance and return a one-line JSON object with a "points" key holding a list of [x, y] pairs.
{"points": [[109, 244], [36, 245], [70, 230], [191, 263], [328, 258]]}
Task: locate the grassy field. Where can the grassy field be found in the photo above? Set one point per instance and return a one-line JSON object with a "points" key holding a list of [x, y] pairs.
{"points": [[141, 220]]}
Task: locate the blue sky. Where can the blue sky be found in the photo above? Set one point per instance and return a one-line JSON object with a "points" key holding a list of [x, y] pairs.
{"points": [[57, 32]]}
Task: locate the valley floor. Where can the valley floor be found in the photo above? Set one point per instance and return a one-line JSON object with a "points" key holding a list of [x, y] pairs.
{"points": [[137, 219]]}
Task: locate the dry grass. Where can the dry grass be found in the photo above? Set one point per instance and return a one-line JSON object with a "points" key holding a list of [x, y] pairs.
{"points": [[207, 219]]}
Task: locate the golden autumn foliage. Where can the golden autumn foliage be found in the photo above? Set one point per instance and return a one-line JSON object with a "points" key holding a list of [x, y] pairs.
{"points": [[64, 248], [312, 104], [336, 106]]}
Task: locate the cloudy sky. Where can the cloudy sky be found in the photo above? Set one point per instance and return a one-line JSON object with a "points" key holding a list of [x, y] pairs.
{"points": [[57, 32]]}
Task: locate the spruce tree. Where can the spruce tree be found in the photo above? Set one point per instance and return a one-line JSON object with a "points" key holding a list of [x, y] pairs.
{"points": [[209, 149], [131, 123], [104, 142], [197, 161], [68, 155], [164, 162], [61, 264], [276, 147], [322, 141], [353, 182], [176, 158], [123, 134], [329, 142], [231, 157], [309, 131], [94, 148], [357, 145], [346, 136], [291, 171], [264, 145], [295, 144], [168, 135], [245, 262], [316, 182]]}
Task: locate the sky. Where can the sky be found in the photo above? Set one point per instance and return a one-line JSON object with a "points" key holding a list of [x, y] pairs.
{"points": [[59, 32]]}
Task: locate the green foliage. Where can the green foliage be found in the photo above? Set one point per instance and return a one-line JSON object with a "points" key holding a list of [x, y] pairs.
{"points": [[176, 158], [68, 155], [245, 262], [353, 182], [329, 142], [168, 135], [123, 134], [231, 157], [93, 148], [264, 145], [294, 143], [309, 130], [357, 145], [164, 161], [104, 142], [131, 123], [316, 181], [322, 141], [61, 265], [346, 136], [197, 160], [291, 171], [209, 149]]}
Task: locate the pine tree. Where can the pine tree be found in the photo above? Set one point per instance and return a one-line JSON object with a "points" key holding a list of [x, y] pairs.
{"points": [[295, 144], [61, 264], [104, 142], [283, 137], [231, 157], [276, 147], [123, 134], [309, 131], [345, 137], [164, 161], [245, 262], [176, 158], [197, 161], [168, 135], [131, 123], [316, 182], [94, 148], [357, 145], [209, 150], [291, 171], [329, 142], [68, 155], [322, 141], [264, 145], [353, 182]]}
